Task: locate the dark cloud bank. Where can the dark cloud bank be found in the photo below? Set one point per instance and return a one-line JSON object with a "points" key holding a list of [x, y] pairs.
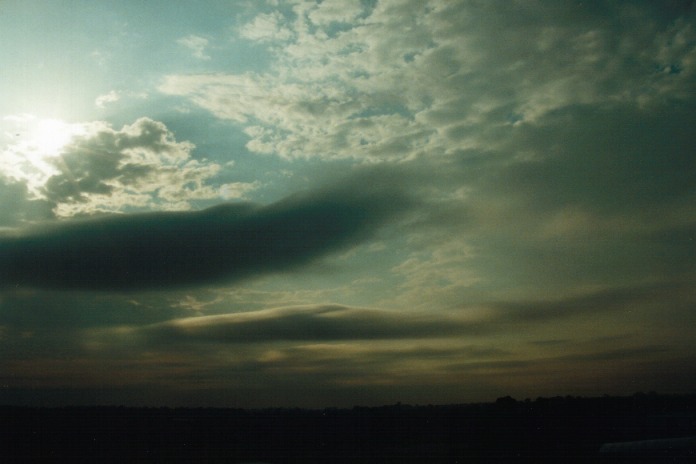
{"points": [[227, 242]]}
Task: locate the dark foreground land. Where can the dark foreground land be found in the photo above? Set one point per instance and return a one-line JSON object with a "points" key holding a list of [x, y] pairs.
{"points": [[566, 429]]}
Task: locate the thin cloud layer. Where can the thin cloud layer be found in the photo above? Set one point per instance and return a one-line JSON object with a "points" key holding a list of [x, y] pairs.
{"points": [[227, 243]]}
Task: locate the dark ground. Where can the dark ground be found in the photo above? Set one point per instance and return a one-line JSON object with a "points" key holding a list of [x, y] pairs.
{"points": [[566, 429]]}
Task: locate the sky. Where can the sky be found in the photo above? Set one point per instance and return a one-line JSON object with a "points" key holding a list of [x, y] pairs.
{"points": [[334, 203]]}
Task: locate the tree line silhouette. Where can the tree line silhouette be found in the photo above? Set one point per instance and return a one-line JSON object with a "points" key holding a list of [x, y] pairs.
{"points": [[507, 430]]}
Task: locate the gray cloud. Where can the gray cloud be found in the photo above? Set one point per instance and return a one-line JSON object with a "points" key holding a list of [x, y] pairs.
{"points": [[140, 166], [522, 366], [223, 243], [605, 159], [342, 349], [598, 303], [585, 195], [91, 164], [332, 322], [16, 206], [59, 310]]}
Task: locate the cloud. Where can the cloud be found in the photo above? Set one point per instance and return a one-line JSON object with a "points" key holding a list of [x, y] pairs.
{"points": [[227, 243], [331, 351], [550, 237], [366, 89], [267, 27], [597, 303], [584, 195], [558, 136], [335, 11], [309, 323], [324, 323], [17, 207], [196, 44], [102, 100], [83, 168], [336, 346], [141, 166], [112, 96], [603, 159]]}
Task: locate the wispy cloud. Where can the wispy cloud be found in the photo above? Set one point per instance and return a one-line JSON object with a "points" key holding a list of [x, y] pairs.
{"points": [[113, 96], [196, 44], [110, 97]]}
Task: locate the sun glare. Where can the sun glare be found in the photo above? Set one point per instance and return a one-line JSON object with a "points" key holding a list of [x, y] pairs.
{"points": [[49, 136], [32, 143]]}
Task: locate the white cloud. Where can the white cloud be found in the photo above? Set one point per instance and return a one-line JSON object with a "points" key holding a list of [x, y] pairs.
{"points": [[196, 44], [414, 78], [237, 190], [113, 96], [267, 27], [329, 11], [102, 100]]}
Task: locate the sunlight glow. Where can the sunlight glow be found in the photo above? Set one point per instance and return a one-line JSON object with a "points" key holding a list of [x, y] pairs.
{"points": [[49, 136], [33, 144]]}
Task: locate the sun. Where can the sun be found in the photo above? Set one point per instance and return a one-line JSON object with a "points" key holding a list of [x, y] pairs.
{"points": [[39, 138], [43, 141], [32, 146], [49, 136]]}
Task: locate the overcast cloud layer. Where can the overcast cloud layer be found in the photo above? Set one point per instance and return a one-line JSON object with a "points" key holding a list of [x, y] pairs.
{"points": [[346, 202]]}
